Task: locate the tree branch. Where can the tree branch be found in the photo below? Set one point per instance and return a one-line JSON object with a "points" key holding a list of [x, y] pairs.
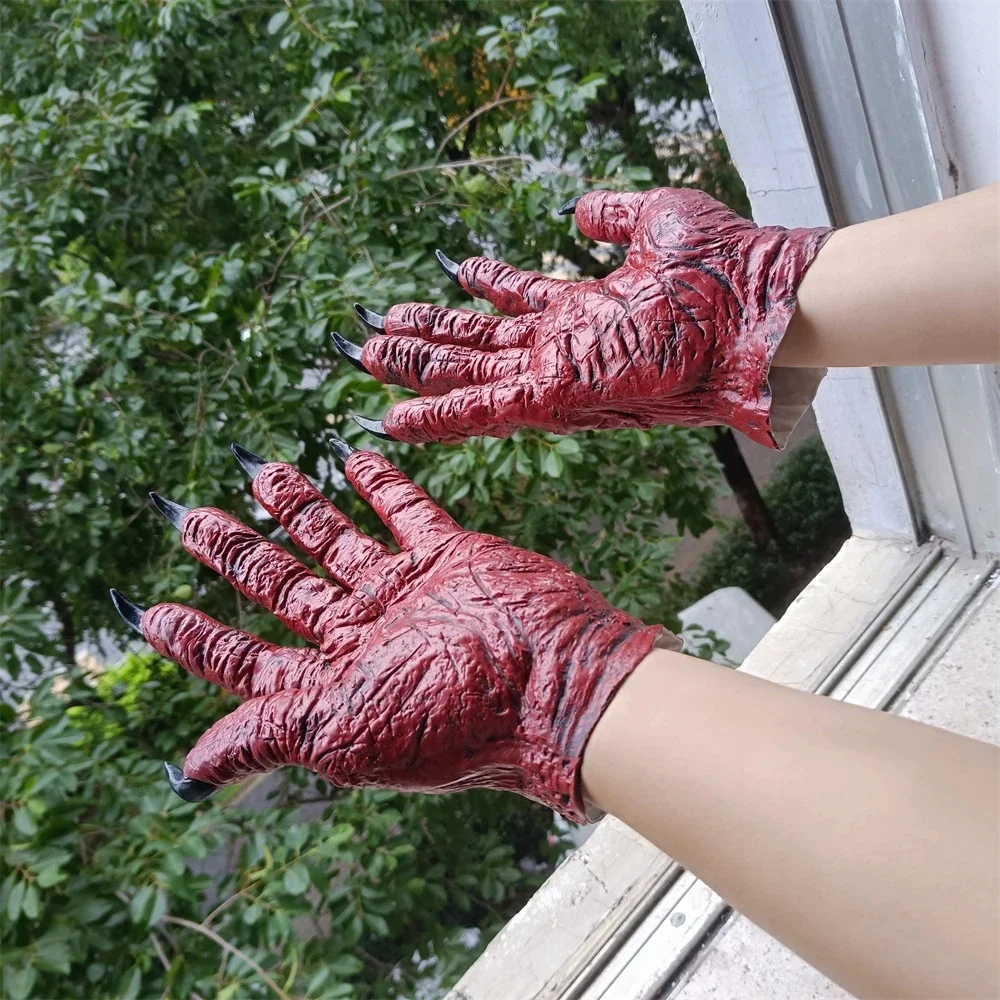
{"points": [[470, 117], [232, 949], [66, 626]]}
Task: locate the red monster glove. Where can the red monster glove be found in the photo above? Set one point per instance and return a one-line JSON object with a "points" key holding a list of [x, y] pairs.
{"points": [[460, 662], [682, 333]]}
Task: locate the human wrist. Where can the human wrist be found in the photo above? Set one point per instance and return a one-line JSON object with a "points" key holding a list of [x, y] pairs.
{"points": [[601, 770], [587, 667], [773, 263]]}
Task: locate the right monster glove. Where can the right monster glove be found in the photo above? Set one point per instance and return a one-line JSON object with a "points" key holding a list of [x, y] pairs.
{"points": [[459, 662], [683, 332]]}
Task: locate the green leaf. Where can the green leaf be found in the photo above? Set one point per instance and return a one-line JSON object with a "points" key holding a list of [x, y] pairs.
{"points": [[159, 908], [131, 984], [141, 905], [52, 954], [377, 924], [24, 823], [345, 966], [232, 270], [340, 834], [17, 984], [552, 464], [30, 903], [277, 20], [49, 875], [14, 900], [296, 880]]}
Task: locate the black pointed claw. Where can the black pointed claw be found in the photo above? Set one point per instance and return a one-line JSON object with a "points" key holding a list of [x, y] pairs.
{"points": [[373, 427], [350, 351], [173, 512], [340, 447], [189, 789], [130, 611], [448, 266], [373, 320], [568, 208], [249, 462]]}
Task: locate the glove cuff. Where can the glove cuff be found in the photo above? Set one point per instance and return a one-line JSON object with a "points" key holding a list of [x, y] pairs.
{"points": [[599, 666], [776, 261]]}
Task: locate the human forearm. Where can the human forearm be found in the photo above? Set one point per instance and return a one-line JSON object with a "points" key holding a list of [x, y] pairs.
{"points": [[918, 288], [832, 827]]}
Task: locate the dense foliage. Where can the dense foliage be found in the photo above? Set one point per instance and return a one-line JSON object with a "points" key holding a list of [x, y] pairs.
{"points": [[350, 892], [804, 499], [194, 193]]}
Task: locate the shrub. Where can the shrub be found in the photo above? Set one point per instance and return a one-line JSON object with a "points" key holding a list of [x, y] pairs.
{"points": [[196, 193], [327, 893], [805, 503]]}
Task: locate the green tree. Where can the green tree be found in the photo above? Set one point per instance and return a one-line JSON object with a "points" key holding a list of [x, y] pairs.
{"points": [[194, 194]]}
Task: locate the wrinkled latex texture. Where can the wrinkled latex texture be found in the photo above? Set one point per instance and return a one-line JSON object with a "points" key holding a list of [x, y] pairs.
{"points": [[460, 662], [683, 332]]}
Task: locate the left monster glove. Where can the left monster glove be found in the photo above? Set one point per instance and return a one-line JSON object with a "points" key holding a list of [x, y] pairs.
{"points": [[460, 662]]}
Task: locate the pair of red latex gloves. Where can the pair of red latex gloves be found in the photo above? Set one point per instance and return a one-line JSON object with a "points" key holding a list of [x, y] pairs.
{"points": [[462, 661]]}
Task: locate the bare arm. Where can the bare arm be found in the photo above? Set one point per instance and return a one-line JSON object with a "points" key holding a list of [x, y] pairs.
{"points": [[865, 842], [919, 288]]}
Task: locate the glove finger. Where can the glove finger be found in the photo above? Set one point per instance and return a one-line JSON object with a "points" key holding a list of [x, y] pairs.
{"points": [[431, 369], [407, 511], [495, 410], [262, 735], [511, 291], [236, 661], [315, 524], [610, 216], [262, 570], [462, 327]]}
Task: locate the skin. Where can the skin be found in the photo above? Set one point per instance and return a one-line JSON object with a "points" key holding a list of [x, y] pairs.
{"points": [[918, 288], [884, 831], [864, 842]]}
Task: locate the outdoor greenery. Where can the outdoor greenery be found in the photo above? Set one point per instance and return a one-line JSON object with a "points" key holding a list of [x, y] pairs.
{"points": [[805, 503], [194, 194]]}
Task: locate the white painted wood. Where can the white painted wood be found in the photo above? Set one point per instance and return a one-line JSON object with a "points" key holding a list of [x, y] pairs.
{"points": [[755, 99], [961, 690], [666, 938], [909, 638], [745, 963], [955, 48], [881, 135], [597, 887], [637, 940]]}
